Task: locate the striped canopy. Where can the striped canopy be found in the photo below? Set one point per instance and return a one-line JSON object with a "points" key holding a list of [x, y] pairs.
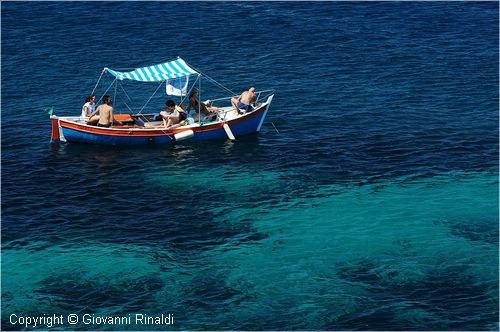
{"points": [[168, 70]]}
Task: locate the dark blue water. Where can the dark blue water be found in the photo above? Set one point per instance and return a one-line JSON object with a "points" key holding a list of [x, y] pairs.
{"points": [[375, 207]]}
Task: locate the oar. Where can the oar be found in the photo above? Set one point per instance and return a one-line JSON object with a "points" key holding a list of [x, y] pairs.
{"points": [[229, 133]]}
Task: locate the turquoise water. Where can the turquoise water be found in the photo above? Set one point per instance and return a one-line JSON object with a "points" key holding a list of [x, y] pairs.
{"points": [[352, 253]]}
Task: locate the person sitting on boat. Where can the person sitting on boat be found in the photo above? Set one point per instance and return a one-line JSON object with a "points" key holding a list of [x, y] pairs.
{"points": [[244, 101], [105, 113], [200, 107], [88, 107], [173, 115], [164, 112]]}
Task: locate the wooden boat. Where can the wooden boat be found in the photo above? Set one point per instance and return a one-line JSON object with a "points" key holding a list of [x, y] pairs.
{"points": [[138, 128]]}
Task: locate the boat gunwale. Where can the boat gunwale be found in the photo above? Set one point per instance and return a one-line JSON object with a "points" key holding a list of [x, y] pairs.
{"points": [[67, 123]]}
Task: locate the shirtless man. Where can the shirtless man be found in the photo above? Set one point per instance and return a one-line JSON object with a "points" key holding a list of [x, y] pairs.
{"points": [[105, 113], [244, 101]]}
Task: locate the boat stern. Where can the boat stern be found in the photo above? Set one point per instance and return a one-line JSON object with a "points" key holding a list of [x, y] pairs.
{"points": [[55, 137], [56, 134]]}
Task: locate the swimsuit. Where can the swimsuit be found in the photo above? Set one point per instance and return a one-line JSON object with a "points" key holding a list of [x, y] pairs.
{"points": [[245, 107]]}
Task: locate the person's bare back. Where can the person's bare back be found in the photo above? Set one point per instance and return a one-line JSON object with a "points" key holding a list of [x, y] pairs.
{"points": [[244, 101], [247, 97], [105, 114]]}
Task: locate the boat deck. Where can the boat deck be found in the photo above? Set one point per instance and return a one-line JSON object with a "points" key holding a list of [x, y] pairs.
{"points": [[150, 121]]}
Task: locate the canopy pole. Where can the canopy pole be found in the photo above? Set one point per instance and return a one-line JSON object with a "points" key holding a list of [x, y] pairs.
{"points": [[95, 87], [199, 100], [191, 89], [114, 96], [183, 97]]}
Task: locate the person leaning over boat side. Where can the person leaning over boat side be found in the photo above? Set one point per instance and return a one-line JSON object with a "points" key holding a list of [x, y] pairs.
{"points": [[194, 102], [173, 115], [167, 112], [105, 113], [88, 107], [164, 112], [244, 101]]}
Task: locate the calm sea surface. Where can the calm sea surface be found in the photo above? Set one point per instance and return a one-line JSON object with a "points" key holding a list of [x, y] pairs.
{"points": [[375, 207]]}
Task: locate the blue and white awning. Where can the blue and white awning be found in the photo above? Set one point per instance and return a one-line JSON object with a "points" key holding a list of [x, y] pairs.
{"points": [[165, 71]]}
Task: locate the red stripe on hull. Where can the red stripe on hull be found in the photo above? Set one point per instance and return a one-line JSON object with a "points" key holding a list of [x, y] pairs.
{"points": [[136, 131]]}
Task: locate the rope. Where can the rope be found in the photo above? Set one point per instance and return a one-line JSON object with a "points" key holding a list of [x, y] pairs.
{"points": [[126, 94], [128, 107], [161, 83], [212, 80], [106, 90], [275, 128]]}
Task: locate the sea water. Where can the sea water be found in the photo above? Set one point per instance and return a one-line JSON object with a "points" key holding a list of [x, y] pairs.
{"points": [[373, 206]]}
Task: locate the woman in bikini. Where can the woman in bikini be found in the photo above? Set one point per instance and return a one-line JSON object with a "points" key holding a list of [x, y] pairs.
{"points": [[200, 107]]}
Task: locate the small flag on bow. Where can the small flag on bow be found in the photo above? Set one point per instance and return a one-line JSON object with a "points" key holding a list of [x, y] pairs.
{"points": [[49, 110]]}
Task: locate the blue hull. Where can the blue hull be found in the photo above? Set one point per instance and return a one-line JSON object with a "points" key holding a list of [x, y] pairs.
{"points": [[245, 125]]}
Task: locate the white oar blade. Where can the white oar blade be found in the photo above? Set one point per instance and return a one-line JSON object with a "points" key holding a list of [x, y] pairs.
{"points": [[229, 133]]}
